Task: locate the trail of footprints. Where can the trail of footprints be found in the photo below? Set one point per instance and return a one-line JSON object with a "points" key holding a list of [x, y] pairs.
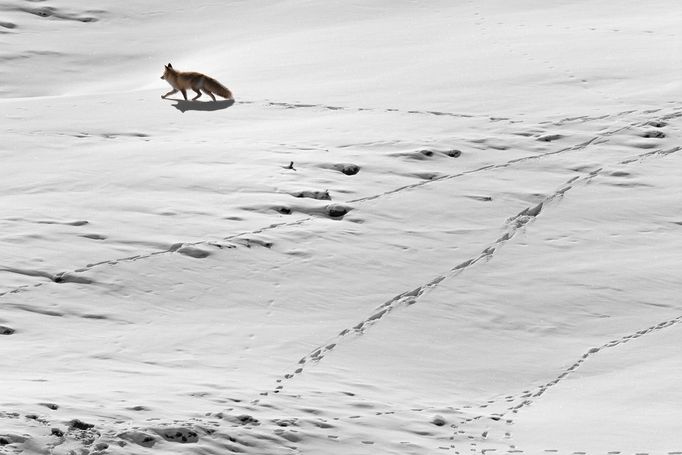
{"points": [[495, 417], [338, 210], [489, 117], [471, 426], [370, 109], [408, 298], [511, 404]]}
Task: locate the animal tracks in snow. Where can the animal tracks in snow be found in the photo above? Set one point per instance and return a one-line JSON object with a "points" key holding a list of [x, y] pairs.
{"points": [[529, 397], [490, 117], [499, 409], [512, 226], [339, 210], [484, 427], [358, 109], [496, 417]]}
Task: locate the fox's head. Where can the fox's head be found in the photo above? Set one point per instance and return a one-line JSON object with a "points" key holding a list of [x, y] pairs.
{"points": [[167, 70]]}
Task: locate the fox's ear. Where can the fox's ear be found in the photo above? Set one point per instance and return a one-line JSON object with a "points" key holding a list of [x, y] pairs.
{"points": [[170, 66]]}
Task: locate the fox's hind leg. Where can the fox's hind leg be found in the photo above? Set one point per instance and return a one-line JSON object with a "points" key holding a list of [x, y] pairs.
{"points": [[209, 94], [198, 92], [170, 93]]}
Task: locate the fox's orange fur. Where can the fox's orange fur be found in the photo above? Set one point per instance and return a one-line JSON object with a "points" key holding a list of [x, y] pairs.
{"points": [[182, 81]]}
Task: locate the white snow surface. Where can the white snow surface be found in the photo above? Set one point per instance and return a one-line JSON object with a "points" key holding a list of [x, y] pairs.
{"points": [[501, 276]]}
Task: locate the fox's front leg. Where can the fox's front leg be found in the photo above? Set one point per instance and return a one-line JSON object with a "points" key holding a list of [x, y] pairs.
{"points": [[170, 93], [184, 93]]}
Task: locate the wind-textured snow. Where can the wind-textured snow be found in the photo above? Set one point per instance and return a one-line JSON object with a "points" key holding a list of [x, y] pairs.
{"points": [[422, 227]]}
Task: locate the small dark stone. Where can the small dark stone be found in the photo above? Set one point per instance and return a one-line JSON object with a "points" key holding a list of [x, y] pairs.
{"points": [[454, 153], [4, 441], [247, 419], [284, 210], [347, 168], [426, 152], [57, 432], [52, 406], [4, 330], [654, 133], [137, 437], [80, 425], [337, 210], [438, 421], [65, 277], [319, 195]]}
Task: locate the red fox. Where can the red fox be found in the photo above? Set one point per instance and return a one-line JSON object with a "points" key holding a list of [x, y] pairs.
{"points": [[181, 81]]}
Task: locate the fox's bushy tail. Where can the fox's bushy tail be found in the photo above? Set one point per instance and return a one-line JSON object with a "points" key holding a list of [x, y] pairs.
{"points": [[219, 89]]}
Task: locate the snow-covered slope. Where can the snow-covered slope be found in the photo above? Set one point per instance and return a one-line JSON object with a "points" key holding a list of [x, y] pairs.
{"points": [[423, 227]]}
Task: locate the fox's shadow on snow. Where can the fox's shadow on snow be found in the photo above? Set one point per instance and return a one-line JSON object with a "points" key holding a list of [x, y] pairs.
{"points": [[185, 105]]}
